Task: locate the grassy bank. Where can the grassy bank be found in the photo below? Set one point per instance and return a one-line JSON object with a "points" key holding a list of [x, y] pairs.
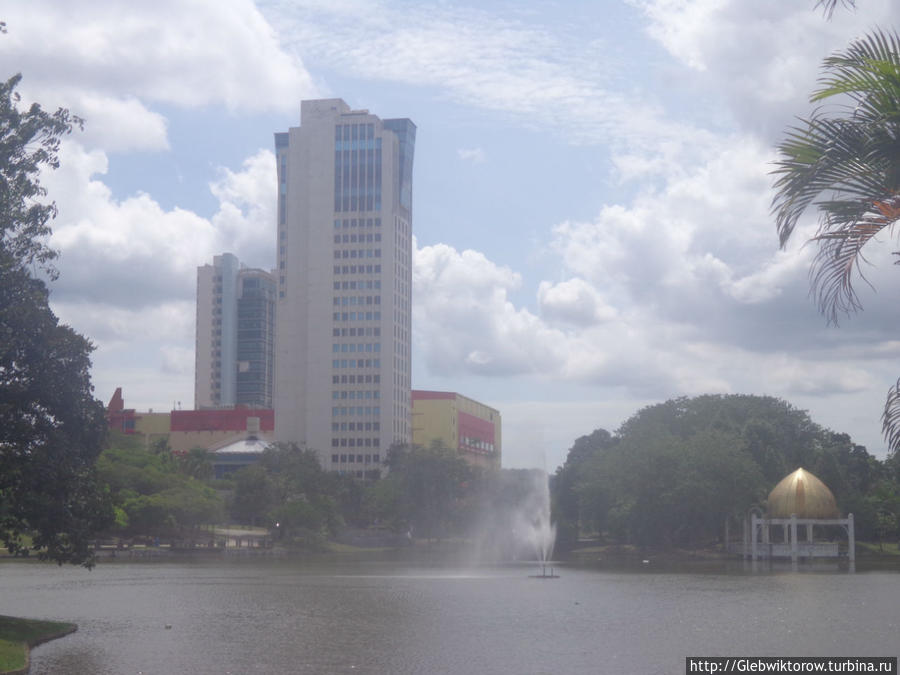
{"points": [[17, 636]]}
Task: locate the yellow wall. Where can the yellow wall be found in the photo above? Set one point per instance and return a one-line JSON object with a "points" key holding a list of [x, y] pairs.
{"points": [[436, 419]]}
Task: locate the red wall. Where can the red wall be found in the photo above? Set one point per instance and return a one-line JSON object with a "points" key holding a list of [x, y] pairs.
{"points": [[229, 419]]}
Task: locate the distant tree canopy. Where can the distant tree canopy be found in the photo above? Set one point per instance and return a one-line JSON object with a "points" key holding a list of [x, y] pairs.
{"points": [[674, 472], [154, 492], [425, 491], [289, 487], [51, 427]]}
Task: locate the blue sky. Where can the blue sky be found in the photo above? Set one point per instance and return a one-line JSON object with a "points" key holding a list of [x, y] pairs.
{"points": [[591, 192]]}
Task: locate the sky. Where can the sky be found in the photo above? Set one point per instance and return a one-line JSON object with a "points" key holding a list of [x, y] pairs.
{"points": [[591, 200]]}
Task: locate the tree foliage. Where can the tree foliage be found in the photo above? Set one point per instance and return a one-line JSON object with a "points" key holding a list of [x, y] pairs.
{"points": [[290, 488], [155, 494], [425, 490], [29, 142], [51, 427], [674, 472]]}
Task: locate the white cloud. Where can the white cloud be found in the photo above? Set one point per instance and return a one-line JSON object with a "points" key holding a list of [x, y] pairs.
{"points": [[761, 57], [535, 76], [473, 155], [110, 62], [463, 318], [574, 301], [246, 215]]}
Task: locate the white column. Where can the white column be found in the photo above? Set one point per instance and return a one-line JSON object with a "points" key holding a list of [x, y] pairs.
{"points": [[753, 536], [851, 536], [793, 537]]}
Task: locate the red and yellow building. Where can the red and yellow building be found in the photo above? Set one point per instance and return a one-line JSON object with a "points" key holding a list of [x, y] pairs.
{"points": [[459, 422]]}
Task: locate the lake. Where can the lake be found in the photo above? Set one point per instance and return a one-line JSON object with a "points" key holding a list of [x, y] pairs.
{"points": [[285, 616]]}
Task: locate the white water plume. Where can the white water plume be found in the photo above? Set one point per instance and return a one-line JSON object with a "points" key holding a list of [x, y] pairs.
{"points": [[532, 522]]}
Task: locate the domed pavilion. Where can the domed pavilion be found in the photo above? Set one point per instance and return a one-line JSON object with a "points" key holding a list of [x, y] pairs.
{"points": [[800, 500]]}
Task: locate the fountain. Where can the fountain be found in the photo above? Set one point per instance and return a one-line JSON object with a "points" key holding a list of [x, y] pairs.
{"points": [[535, 527]]}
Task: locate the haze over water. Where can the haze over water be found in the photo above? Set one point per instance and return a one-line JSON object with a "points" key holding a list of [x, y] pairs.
{"points": [[264, 616]]}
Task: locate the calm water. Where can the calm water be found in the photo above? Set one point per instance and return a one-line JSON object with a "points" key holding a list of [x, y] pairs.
{"points": [[289, 617]]}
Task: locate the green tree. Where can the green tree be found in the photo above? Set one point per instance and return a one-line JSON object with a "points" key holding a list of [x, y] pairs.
{"points": [[154, 493], [576, 509], [428, 489], [675, 472], [303, 494], [844, 161], [29, 142], [196, 464], [253, 495], [51, 427]]}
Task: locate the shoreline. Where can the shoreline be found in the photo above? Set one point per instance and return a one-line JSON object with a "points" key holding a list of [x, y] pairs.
{"points": [[38, 631]]}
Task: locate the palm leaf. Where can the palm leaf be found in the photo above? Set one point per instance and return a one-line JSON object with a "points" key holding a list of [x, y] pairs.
{"points": [[890, 419], [829, 5], [844, 161], [836, 264]]}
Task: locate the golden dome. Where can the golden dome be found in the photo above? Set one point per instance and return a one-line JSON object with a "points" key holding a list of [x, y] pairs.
{"points": [[803, 494]]}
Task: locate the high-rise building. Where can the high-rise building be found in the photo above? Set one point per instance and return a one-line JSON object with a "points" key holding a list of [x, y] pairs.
{"points": [[344, 252], [234, 348]]}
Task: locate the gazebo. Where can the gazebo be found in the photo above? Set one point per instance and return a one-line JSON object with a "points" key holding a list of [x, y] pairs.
{"points": [[800, 500]]}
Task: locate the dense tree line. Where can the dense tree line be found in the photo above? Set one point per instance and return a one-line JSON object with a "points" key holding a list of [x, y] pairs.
{"points": [[674, 472]]}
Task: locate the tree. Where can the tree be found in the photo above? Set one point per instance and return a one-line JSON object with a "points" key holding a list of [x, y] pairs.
{"points": [[425, 489], [844, 160], [575, 509], [675, 472], [253, 495], [51, 427], [29, 141]]}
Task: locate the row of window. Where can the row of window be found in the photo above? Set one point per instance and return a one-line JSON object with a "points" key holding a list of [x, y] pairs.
{"points": [[357, 269], [373, 284], [360, 459], [356, 363], [356, 316], [355, 426], [357, 253], [353, 300], [352, 348], [351, 132], [369, 394], [357, 144], [358, 410], [355, 443], [357, 239], [368, 331], [356, 379], [353, 223]]}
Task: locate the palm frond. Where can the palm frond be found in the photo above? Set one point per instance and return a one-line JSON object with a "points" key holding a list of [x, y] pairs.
{"points": [[837, 262], [890, 418], [831, 156], [868, 73], [829, 5]]}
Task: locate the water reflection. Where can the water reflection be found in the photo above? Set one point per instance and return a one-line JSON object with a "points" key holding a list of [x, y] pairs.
{"points": [[278, 617]]}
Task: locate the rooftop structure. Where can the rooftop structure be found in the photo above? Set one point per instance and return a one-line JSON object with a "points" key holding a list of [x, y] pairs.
{"points": [[802, 494], [799, 501]]}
